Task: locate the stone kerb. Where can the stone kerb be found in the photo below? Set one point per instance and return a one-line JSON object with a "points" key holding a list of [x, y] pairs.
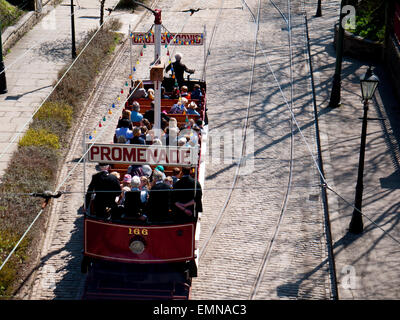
{"points": [[359, 47]]}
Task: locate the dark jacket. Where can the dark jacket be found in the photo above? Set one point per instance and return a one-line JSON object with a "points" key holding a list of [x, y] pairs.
{"points": [[133, 206], [103, 181], [179, 69], [159, 203], [185, 190]]}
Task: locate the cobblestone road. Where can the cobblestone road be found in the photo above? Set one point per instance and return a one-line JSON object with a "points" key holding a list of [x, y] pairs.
{"points": [[297, 265]]}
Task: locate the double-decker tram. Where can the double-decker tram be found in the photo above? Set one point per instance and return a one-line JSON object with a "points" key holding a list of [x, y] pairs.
{"points": [[143, 244]]}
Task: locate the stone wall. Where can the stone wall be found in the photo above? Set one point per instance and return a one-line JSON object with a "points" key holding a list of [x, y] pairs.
{"points": [[360, 48], [392, 62]]}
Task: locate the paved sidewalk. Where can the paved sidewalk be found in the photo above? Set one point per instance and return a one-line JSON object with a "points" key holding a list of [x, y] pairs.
{"points": [[367, 266], [33, 64]]}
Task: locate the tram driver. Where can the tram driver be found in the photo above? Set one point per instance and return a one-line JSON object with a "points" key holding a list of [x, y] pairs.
{"points": [[178, 69]]}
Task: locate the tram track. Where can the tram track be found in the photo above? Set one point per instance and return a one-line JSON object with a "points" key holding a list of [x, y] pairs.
{"points": [[266, 255]]}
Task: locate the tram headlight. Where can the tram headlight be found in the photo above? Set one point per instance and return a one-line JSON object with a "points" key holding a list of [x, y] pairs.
{"points": [[137, 246]]}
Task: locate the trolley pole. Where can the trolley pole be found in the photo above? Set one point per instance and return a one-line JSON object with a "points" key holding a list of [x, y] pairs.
{"points": [[157, 83]]}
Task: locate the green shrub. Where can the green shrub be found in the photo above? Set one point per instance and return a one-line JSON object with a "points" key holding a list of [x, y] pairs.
{"points": [[9, 14], [39, 137], [56, 111], [370, 20]]}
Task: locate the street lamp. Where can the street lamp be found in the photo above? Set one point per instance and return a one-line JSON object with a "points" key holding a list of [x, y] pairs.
{"points": [[369, 83]]}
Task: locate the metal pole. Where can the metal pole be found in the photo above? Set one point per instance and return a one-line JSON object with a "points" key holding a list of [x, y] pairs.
{"points": [[337, 82], [157, 84], [356, 224], [3, 82], [73, 30], [205, 54]]}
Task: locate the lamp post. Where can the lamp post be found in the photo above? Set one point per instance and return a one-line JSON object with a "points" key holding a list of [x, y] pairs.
{"points": [[73, 30], [3, 83], [369, 83], [337, 82], [319, 10]]}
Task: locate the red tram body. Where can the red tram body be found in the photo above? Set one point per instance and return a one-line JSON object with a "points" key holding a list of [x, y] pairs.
{"points": [[137, 260]]}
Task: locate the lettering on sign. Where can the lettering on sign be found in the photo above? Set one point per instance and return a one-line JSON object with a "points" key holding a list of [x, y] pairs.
{"points": [[194, 39], [138, 154]]}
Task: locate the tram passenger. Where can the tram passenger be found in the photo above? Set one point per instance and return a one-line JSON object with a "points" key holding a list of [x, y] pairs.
{"points": [[168, 180], [175, 174], [159, 199], [136, 116], [184, 92], [140, 91], [186, 197], [191, 109], [107, 187], [178, 69], [124, 132], [134, 201], [150, 94], [163, 94], [135, 170], [126, 115], [136, 136], [196, 93]]}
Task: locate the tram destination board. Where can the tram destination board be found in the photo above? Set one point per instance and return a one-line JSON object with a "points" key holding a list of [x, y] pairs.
{"points": [[194, 39], [142, 154]]}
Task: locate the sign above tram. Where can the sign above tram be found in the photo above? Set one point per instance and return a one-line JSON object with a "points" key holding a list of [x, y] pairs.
{"points": [[142, 154], [184, 39]]}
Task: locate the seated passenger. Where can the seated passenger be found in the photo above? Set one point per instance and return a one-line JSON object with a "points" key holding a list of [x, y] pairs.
{"points": [[134, 201], [176, 173], [124, 132], [149, 114], [163, 95], [168, 180], [179, 107], [150, 94], [136, 136], [196, 93], [105, 188], [186, 197], [139, 92], [135, 170], [126, 115], [191, 109], [184, 92], [136, 116], [175, 93], [159, 199]]}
